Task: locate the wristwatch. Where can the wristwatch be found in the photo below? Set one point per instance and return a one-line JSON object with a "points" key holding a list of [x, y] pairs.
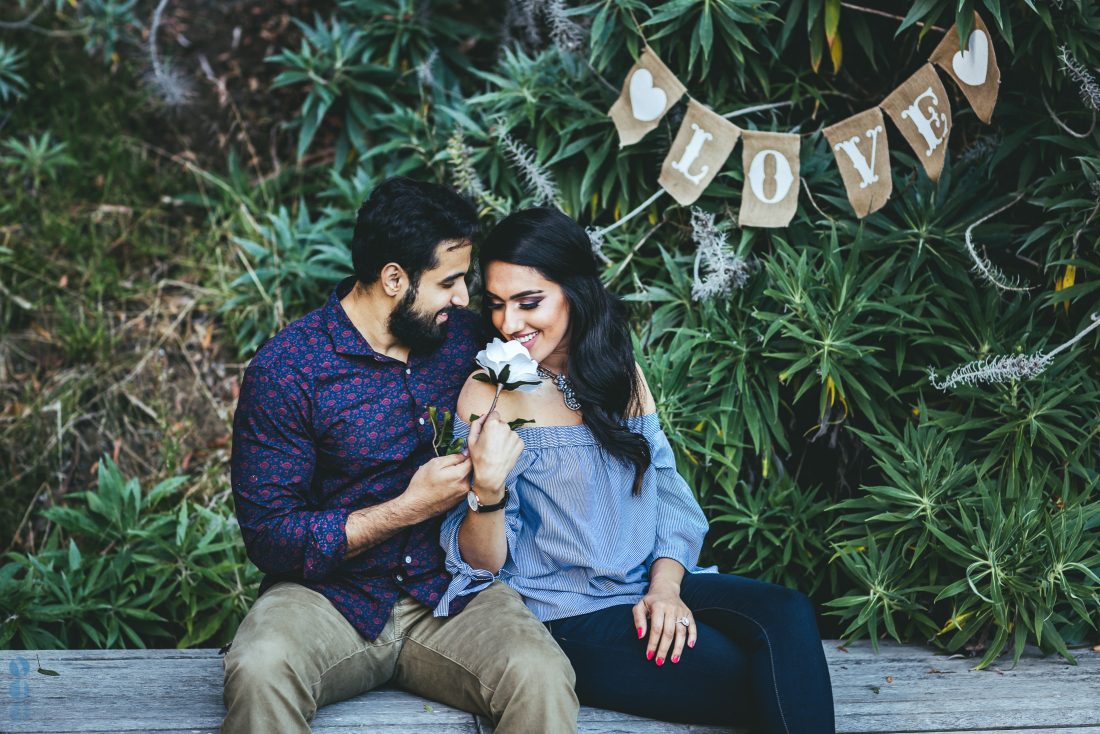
{"points": [[475, 503]]}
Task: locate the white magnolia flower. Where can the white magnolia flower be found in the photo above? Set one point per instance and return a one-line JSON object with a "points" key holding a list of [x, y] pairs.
{"points": [[509, 365]]}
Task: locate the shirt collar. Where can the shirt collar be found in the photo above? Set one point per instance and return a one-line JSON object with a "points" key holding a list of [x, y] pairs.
{"points": [[346, 339]]}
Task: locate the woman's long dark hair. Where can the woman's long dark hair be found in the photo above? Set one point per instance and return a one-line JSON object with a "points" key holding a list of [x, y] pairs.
{"points": [[601, 359]]}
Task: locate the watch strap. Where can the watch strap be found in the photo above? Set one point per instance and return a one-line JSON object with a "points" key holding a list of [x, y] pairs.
{"points": [[493, 507]]}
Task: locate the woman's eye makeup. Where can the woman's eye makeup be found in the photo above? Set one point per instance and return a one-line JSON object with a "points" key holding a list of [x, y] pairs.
{"points": [[524, 306]]}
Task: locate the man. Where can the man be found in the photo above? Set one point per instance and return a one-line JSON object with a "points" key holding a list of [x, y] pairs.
{"points": [[339, 496]]}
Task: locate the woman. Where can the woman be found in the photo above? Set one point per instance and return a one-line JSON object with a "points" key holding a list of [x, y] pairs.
{"points": [[596, 529]]}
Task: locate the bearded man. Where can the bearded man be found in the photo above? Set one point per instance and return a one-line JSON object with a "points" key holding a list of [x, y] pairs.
{"points": [[339, 495]]}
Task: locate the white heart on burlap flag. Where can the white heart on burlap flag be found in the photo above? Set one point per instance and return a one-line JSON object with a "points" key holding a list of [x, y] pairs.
{"points": [[973, 68], [649, 92]]}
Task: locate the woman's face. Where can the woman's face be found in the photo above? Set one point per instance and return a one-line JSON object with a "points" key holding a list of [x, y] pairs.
{"points": [[531, 309]]}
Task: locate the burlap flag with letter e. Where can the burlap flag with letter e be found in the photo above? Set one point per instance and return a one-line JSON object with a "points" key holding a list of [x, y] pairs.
{"points": [[648, 93], [770, 195], [920, 109], [973, 68], [863, 157], [701, 147]]}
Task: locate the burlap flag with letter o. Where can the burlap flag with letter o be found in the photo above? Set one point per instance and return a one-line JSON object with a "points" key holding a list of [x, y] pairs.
{"points": [[648, 93], [973, 68], [920, 109], [863, 156], [701, 147], [770, 195]]}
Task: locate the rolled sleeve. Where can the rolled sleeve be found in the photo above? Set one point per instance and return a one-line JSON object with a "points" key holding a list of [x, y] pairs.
{"points": [[272, 471], [681, 524], [466, 580]]}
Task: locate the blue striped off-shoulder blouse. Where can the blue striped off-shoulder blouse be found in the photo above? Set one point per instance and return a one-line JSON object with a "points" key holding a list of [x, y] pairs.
{"points": [[578, 539]]}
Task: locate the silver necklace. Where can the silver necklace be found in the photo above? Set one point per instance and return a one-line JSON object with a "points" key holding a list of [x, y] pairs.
{"points": [[564, 385]]}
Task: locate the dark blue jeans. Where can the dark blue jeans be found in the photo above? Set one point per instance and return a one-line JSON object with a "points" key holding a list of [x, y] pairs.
{"points": [[757, 662]]}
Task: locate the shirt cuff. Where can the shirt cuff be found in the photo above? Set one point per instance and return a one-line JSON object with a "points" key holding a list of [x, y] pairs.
{"points": [[685, 554], [327, 544], [466, 581]]}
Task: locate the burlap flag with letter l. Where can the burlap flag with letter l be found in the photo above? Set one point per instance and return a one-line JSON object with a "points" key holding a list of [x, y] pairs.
{"points": [[701, 147]]}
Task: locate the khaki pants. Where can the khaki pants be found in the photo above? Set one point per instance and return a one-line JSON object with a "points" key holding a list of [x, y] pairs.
{"points": [[294, 652]]}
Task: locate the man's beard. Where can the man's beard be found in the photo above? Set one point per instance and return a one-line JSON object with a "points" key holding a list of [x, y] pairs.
{"points": [[419, 332]]}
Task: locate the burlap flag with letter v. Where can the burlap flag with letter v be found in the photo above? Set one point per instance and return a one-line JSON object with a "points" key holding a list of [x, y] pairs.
{"points": [[863, 157]]}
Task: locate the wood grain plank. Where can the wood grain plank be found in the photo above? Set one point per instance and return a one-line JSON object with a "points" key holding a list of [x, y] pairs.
{"points": [[177, 691]]}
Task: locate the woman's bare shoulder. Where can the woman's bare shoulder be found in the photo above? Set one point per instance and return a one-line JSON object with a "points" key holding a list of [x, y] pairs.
{"points": [[476, 397]]}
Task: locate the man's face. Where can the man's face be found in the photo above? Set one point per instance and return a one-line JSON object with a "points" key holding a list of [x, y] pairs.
{"points": [[420, 318]]}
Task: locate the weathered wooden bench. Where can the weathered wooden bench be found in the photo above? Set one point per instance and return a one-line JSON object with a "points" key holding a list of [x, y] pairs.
{"points": [[902, 689]]}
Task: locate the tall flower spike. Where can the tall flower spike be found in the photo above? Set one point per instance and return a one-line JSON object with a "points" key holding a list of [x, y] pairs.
{"points": [[539, 183], [1086, 82], [595, 236], [424, 73], [983, 266], [1006, 368], [567, 35], [464, 176], [166, 81], [723, 270]]}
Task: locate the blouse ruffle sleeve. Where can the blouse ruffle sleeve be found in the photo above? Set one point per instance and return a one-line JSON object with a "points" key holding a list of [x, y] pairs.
{"points": [[681, 524], [467, 580]]}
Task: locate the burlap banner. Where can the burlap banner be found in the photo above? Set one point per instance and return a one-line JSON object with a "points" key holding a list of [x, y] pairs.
{"points": [[863, 156], [974, 69], [920, 109], [649, 92], [770, 195], [701, 147]]}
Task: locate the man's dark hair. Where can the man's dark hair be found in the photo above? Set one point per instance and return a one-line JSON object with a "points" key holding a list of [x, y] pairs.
{"points": [[402, 222]]}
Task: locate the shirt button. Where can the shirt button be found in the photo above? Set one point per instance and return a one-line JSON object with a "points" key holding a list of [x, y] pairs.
{"points": [[408, 371], [399, 577], [421, 421], [408, 559]]}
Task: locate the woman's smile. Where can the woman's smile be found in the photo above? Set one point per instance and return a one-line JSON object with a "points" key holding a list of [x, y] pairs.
{"points": [[527, 339]]}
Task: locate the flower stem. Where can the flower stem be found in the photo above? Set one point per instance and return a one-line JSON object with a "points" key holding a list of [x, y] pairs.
{"points": [[495, 398]]}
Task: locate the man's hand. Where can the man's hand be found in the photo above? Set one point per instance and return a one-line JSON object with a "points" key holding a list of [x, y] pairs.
{"points": [[435, 488], [494, 450], [438, 485]]}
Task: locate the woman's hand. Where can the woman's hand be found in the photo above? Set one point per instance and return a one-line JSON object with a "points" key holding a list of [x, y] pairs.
{"points": [[494, 450], [659, 611]]}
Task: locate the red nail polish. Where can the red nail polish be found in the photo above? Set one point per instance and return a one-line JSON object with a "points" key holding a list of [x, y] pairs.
{"points": [[675, 658], [691, 643], [649, 655], [660, 661], [640, 633]]}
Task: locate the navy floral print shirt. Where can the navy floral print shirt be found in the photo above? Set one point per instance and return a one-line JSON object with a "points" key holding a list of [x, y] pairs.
{"points": [[325, 426]]}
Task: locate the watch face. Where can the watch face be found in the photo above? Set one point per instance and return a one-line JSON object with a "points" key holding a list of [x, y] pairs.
{"points": [[471, 500]]}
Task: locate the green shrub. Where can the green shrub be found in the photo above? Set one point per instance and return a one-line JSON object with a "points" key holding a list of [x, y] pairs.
{"points": [[798, 395], [123, 567]]}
